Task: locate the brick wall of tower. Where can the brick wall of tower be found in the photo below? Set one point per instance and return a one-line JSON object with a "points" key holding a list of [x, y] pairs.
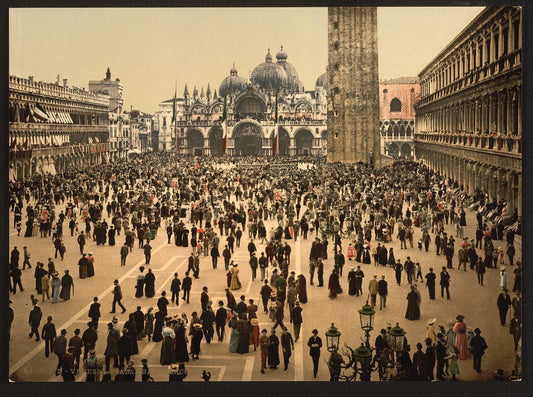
{"points": [[353, 81]]}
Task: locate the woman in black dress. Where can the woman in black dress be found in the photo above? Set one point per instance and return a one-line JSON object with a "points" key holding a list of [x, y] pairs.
{"points": [[180, 343], [273, 351], [366, 255], [149, 284], [301, 288], [413, 310], [197, 336], [158, 327], [131, 326]]}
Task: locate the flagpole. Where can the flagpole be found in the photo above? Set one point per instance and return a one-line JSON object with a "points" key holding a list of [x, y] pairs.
{"points": [[224, 127]]}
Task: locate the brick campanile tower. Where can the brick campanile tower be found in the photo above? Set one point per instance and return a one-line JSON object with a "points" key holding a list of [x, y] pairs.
{"points": [[353, 85]]}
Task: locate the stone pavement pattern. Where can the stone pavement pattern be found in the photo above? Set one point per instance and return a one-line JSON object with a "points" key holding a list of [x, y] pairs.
{"points": [[476, 303]]}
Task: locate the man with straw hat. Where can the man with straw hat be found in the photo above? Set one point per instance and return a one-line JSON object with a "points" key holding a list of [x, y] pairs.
{"points": [[430, 333], [264, 343]]}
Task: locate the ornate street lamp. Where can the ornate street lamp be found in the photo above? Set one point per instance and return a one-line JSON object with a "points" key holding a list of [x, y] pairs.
{"points": [[397, 334], [366, 317], [363, 357], [333, 337]]}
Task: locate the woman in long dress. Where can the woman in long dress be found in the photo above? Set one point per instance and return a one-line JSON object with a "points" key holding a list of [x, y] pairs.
{"points": [[158, 326], [149, 323], [235, 282], [245, 330], [351, 282], [460, 338], [56, 285], [167, 345], [413, 310], [366, 255], [333, 284], [149, 284], [132, 332], [273, 351], [452, 359], [301, 288], [234, 337], [180, 347], [139, 288], [90, 265], [197, 336]]}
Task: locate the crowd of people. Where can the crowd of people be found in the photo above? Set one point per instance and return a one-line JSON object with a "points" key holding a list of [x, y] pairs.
{"points": [[211, 206]]}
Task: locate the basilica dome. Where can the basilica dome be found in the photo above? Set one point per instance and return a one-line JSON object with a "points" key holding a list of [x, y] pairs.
{"points": [[293, 81], [322, 81], [268, 75], [233, 84]]}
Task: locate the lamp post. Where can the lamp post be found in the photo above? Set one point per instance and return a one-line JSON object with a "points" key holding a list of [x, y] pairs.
{"points": [[335, 360], [366, 317], [332, 338], [363, 359], [397, 335]]}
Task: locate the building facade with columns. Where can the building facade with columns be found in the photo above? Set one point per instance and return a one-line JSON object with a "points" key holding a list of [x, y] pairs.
{"points": [[468, 120], [251, 108], [397, 116], [52, 126]]}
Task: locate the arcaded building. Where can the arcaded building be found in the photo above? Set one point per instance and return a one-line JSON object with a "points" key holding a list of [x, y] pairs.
{"points": [[251, 110], [397, 98], [468, 119], [52, 126]]}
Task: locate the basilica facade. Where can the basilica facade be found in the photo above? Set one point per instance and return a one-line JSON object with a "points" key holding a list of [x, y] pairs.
{"points": [[251, 111]]}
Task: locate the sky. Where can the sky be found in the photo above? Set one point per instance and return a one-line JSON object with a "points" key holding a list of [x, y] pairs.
{"points": [[154, 50]]}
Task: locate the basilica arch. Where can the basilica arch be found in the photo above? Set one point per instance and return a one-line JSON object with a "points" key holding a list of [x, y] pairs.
{"points": [[304, 141], [215, 140], [284, 142], [248, 139], [195, 142]]}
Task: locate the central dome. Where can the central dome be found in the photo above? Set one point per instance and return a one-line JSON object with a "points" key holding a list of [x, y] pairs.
{"points": [[232, 84], [293, 81], [268, 75]]}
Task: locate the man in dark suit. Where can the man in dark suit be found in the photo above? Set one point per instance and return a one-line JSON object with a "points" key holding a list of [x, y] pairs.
{"points": [[430, 283], [204, 299], [445, 283], [315, 343], [94, 312], [220, 320], [186, 285], [503, 303]]}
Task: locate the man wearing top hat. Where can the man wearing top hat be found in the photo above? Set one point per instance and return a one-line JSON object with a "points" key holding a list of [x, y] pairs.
{"points": [[315, 343], [204, 298]]}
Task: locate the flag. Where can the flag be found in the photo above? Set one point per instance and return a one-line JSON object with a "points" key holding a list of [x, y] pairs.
{"points": [[39, 113], [276, 128], [224, 127], [174, 119], [174, 107], [27, 117]]}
